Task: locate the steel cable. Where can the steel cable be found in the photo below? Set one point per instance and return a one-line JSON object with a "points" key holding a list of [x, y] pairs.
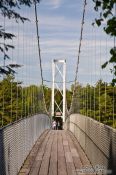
{"points": [[79, 51], [39, 51], [114, 73]]}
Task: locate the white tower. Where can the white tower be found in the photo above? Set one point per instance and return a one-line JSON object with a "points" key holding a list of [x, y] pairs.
{"points": [[59, 85]]}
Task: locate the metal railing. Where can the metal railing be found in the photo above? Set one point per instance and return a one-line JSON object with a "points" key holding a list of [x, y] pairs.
{"points": [[97, 140], [16, 141]]}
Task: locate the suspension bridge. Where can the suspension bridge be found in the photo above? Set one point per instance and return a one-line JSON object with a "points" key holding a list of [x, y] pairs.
{"points": [[69, 88]]}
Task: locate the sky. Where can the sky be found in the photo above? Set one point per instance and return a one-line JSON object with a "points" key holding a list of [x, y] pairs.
{"points": [[59, 32]]}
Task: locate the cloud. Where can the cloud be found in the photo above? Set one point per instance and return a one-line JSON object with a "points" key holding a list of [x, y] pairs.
{"points": [[59, 23], [54, 3]]}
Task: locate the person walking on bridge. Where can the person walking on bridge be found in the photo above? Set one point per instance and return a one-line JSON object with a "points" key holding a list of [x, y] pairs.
{"points": [[54, 125]]}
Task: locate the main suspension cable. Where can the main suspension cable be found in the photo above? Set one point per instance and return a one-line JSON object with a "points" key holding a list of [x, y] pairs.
{"points": [[80, 43], [39, 51], [79, 51]]}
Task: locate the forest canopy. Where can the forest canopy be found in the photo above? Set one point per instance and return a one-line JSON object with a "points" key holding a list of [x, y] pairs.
{"points": [[16, 102]]}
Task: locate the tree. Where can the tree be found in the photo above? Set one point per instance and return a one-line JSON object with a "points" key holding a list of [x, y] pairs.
{"points": [[47, 94], [33, 100], [98, 102], [107, 12], [68, 98], [106, 107], [7, 10], [17, 102], [10, 100]]}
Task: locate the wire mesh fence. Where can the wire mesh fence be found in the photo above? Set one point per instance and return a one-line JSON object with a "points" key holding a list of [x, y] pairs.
{"points": [[17, 140], [97, 140]]}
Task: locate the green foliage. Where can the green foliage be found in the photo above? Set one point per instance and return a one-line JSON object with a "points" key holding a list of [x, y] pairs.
{"points": [[8, 102], [68, 98], [17, 102], [97, 102], [47, 93], [58, 98], [94, 101], [106, 9], [33, 99]]}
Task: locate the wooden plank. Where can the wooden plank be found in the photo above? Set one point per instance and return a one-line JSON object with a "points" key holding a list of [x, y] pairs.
{"points": [[60, 145], [25, 171], [35, 168], [38, 160], [65, 142], [68, 156], [81, 153], [30, 158], [84, 160], [75, 154], [61, 156], [53, 158], [46, 158]]}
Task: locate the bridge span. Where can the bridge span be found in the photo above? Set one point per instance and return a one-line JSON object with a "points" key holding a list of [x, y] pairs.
{"points": [[35, 86], [83, 143]]}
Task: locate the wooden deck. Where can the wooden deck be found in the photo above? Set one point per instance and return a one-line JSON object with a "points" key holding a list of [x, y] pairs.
{"points": [[56, 152]]}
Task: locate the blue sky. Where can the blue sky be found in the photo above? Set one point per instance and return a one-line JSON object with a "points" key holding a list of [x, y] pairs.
{"points": [[59, 29]]}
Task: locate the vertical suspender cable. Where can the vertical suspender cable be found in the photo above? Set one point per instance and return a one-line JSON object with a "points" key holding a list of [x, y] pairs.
{"points": [[87, 100], [113, 71], [22, 89], [33, 94], [26, 87], [29, 87], [100, 87], [3, 115], [95, 79], [29, 106], [17, 91], [88, 83], [83, 101], [106, 87], [34, 90], [12, 83], [91, 78]]}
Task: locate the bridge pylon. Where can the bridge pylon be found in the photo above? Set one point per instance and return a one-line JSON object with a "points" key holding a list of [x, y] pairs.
{"points": [[59, 87]]}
